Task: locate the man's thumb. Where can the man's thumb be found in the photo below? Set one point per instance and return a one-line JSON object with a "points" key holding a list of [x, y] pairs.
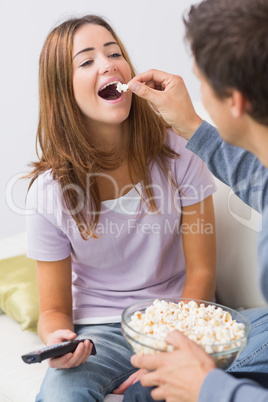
{"points": [[140, 89], [176, 338]]}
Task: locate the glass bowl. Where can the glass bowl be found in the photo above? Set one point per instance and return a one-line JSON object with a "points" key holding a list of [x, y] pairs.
{"points": [[224, 354]]}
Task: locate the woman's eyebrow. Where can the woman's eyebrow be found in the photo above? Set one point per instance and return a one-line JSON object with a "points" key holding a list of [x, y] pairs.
{"points": [[110, 43], [88, 49]]}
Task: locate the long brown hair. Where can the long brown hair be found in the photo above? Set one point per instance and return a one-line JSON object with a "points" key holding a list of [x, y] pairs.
{"points": [[62, 135]]}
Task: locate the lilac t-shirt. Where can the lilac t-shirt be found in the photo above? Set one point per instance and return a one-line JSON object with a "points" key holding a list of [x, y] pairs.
{"points": [[138, 254]]}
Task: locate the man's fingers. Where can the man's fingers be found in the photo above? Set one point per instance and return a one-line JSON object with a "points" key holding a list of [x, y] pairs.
{"points": [[149, 382], [157, 394], [148, 84], [143, 90], [183, 344], [156, 76], [148, 362], [177, 339]]}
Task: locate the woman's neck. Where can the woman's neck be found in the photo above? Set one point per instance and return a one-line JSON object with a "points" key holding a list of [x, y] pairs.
{"points": [[111, 137]]}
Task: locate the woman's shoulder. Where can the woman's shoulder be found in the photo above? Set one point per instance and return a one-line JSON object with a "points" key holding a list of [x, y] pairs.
{"points": [[178, 144], [187, 161], [175, 141], [42, 188], [44, 180], [190, 171]]}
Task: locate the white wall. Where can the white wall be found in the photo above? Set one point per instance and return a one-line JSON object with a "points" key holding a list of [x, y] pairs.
{"points": [[152, 31]]}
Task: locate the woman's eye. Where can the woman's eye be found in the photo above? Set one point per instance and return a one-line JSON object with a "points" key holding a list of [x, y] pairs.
{"points": [[115, 55], [86, 63]]}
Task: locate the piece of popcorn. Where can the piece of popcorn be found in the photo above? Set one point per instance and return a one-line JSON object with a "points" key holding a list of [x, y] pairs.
{"points": [[122, 87]]}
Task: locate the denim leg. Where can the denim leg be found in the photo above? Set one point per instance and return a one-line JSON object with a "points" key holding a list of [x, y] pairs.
{"points": [[138, 393], [100, 375], [255, 355]]}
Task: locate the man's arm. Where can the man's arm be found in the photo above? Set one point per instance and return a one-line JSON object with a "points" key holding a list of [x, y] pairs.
{"points": [[240, 169], [222, 387]]}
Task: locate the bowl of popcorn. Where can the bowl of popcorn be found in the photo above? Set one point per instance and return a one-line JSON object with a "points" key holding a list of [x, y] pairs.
{"points": [[220, 331]]}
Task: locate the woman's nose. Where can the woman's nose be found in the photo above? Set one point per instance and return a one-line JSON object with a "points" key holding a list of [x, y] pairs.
{"points": [[106, 66]]}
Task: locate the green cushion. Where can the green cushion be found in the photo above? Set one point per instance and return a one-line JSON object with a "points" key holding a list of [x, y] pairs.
{"points": [[18, 291]]}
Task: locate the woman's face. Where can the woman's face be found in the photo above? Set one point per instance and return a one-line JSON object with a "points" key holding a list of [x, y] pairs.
{"points": [[97, 63]]}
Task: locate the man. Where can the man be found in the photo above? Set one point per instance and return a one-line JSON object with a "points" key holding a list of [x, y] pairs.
{"points": [[229, 41]]}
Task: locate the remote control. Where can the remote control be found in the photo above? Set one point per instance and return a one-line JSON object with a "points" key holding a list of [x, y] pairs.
{"points": [[57, 350]]}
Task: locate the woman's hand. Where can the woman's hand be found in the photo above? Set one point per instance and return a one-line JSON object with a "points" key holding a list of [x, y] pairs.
{"points": [[135, 377], [169, 96], [75, 359]]}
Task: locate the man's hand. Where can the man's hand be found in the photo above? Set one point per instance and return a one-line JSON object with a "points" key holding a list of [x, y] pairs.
{"points": [[176, 376], [169, 96]]}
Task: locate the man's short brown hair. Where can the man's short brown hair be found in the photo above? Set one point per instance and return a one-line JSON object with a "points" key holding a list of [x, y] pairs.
{"points": [[229, 41]]}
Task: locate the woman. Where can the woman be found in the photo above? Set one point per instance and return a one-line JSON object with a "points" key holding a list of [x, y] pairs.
{"points": [[121, 210]]}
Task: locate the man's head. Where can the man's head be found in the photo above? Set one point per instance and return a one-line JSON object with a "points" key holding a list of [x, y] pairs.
{"points": [[229, 41]]}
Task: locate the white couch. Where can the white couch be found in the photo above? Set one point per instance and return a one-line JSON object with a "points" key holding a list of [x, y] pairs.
{"points": [[237, 286]]}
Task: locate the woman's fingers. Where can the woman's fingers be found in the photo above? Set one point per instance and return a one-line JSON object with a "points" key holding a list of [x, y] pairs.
{"points": [[75, 359]]}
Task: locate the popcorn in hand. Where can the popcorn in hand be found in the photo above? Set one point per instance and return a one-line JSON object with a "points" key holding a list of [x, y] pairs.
{"points": [[122, 87]]}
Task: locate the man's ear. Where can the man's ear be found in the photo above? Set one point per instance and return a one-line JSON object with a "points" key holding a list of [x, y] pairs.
{"points": [[239, 104]]}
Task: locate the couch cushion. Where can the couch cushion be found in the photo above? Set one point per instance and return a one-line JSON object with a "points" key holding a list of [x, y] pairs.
{"points": [[18, 291]]}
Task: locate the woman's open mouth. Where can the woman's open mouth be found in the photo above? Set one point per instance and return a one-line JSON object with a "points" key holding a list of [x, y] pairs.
{"points": [[109, 92]]}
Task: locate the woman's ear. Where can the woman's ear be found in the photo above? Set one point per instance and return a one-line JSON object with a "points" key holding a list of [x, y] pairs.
{"points": [[239, 104]]}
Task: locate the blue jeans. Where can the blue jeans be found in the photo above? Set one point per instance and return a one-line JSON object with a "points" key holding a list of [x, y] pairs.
{"points": [[100, 375], [255, 355], [253, 358]]}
